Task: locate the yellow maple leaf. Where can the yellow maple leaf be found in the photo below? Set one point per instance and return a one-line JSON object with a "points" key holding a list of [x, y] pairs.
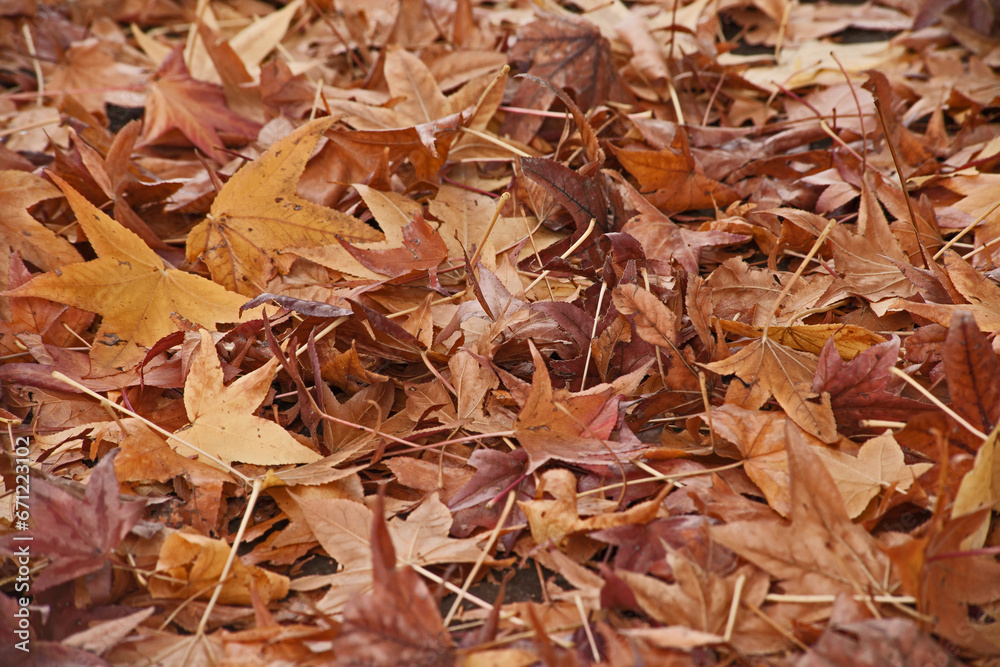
{"points": [[257, 214], [222, 419], [131, 288]]}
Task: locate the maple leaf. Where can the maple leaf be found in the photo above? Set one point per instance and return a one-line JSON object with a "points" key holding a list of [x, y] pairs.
{"points": [[131, 288], [36, 243], [222, 421], [177, 101], [422, 249], [568, 52], [662, 240], [257, 215], [701, 600], [879, 465], [874, 642], [556, 520], [569, 427], [190, 565], [786, 374], [849, 340], [672, 181], [862, 388], [584, 196], [949, 582], [399, 622], [820, 551], [973, 372], [344, 530], [654, 322], [77, 535], [55, 323]]}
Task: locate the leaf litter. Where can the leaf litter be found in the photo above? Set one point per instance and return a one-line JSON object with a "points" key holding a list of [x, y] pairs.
{"points": [[481, 333]]}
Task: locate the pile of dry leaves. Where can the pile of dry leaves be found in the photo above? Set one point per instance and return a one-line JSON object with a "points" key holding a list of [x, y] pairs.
{"points": [[499, 333]]}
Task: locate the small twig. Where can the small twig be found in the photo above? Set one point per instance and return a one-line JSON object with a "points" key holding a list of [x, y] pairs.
{"points": [[569, 251], [734, 607], [968, 228], [593, 332], [494, 536], [105, 402], [586, 627], [496, 216], [934, 399]]}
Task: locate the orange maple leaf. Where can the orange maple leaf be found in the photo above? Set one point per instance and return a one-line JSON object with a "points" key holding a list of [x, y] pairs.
{"points": [[257, 214], [131, 287]]}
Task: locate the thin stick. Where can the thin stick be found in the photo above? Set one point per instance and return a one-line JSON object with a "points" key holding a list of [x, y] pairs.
{"points": [[569, 251], [933, 399], [496, 216], [826, 599], [708, 406], [495, 140], [788, 286], [438, 302], [899, 174], [593, 332], [586, 627], [660, 477], [881, 423], [981, 248], [105, 402], [494, 536], [656, 348], [26, 29], [534, 248], [322, 334], [437, 374], [258, 484], [734, 607], [968, 228]]}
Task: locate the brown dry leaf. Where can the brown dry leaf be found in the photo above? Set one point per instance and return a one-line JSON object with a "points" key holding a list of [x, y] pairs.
{"points": [[983, 297], [655, 323], [878, 466], [556, 520], [131, 288], [850, 340], [702, 601], [191, 565], [56, 324], [979, 489], [77, 532], [787, 375], [38, 244], [343, 528], [556, 424], [671, 181], [973, 372], [820, 551], [761, 440], [569, 53], [423, 249], [222, 420], [257, 216], [196, 109], [399, 622]]}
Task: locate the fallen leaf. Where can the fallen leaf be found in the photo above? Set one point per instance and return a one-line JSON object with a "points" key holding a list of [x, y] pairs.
{"points": [[78, 534], [131, 288], [191, 565], [177, 101], [257, 216], [36, 243]]}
